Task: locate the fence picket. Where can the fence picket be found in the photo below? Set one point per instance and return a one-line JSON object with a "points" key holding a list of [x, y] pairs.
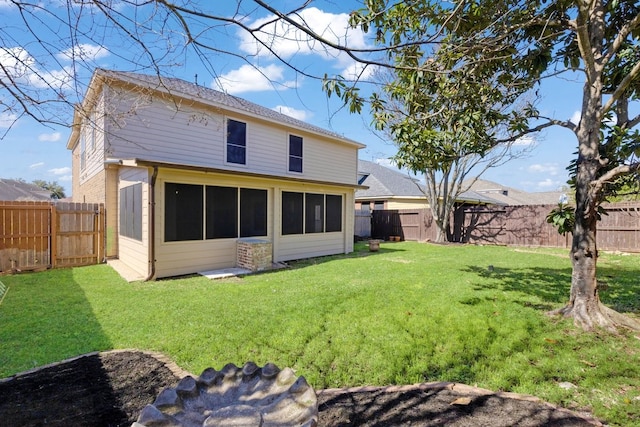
{"points": [[510, 225], [36, 235]]}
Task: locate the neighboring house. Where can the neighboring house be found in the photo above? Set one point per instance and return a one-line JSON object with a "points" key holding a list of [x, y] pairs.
{"points": [[392, 189], [18, 191], [387, 189], [506, 196], [187, 173]]}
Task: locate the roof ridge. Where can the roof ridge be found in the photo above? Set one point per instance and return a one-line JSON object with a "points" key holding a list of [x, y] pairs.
{"points": [[211, 95]]}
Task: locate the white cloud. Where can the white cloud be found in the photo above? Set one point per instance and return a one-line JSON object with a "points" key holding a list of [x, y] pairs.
{"points": [[357, 71], [526, 140], [286, 40], [7, 120], [5, 4], [49, 137], [83, 52], [253, 79], [292, 112], [36, 165], [20, 68], [575, 118], [60, 171], [546, 168], [65, 178], [548, 184]]}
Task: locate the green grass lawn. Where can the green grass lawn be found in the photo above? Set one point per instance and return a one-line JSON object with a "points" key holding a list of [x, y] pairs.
{"points": [[406, 314]]}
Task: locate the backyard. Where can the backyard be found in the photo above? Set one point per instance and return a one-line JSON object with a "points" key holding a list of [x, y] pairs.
{"points": [[410, 313]]}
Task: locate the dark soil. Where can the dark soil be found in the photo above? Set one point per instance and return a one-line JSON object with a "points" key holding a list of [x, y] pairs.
{"points": [[110, 389]]}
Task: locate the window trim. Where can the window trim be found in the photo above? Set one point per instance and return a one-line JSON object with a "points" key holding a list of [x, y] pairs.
{"points": [[130, 220], [226, 142], [292, 156], [204, 211], [286, 222]]}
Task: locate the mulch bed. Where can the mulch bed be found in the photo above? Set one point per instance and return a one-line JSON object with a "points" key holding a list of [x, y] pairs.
{"points": [[111, 388]]}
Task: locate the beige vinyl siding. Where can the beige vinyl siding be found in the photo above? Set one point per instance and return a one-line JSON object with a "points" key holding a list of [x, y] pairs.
{"points": [[177, 258], [94, 140], [132, 252], [153, 128], [406, 204], [325, 160], [301, 246], [156, 130]]}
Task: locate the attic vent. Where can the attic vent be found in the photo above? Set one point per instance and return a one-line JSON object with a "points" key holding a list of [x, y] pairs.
{"points": [[505, 192]]}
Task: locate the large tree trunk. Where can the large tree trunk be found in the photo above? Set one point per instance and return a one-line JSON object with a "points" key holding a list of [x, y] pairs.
{"points": [[584, 304]]}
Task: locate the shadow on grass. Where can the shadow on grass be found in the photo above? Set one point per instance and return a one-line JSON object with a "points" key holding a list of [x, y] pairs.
{"points": [[619, 288], [360, 250], [549, 285], [46, 318]]}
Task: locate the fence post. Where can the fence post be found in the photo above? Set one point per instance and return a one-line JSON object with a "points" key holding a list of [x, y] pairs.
{"points": [[53, 228]]}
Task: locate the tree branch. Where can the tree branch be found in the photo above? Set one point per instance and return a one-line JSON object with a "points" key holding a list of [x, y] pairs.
{"points": [[622, 87]]}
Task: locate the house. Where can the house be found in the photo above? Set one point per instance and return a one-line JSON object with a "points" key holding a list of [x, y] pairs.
{"points": [[194, 179], [16, 190], [387, 188], [507, 196], [392, 189]]}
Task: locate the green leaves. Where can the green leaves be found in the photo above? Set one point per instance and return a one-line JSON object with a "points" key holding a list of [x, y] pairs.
{"points": [[562, 218]]}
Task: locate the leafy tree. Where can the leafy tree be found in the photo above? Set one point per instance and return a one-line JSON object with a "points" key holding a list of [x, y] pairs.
{"points": [[515, 44], [446, 126], [57, 191]]}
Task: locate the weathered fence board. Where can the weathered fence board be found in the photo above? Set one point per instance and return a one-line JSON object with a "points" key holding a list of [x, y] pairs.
{"points": [[36, 235], [510, 225]]}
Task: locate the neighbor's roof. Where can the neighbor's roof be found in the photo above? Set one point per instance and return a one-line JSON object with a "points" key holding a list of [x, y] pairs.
{"points": [[384, 182], [185, 89], [512, 197], [14, 190]]}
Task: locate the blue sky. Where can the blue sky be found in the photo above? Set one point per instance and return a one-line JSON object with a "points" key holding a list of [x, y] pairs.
{"points": [[30, 150]]}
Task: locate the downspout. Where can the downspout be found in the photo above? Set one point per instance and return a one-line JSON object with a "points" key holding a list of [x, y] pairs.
{"points": [[152, 225]]}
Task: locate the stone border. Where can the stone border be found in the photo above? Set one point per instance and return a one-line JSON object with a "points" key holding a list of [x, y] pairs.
{"points": [[462, 389]]}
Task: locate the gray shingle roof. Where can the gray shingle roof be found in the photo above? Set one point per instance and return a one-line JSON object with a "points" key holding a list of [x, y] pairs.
{"points": [[384, 182], [213, 97], [510, 196], [14, 190]]}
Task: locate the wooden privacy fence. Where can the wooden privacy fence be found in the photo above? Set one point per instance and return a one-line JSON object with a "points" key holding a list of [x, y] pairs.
{"points": [[39, 235], [510, 225]]}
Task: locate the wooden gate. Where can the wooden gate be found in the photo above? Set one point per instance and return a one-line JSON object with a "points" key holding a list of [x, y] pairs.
{"points": [[40, 235]]}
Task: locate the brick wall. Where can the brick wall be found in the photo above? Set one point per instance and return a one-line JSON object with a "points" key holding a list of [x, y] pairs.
{"points": [[91, 190], [254, 254]]}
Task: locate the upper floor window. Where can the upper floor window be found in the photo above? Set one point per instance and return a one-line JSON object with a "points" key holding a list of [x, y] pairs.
{"points": [[236, 142], [295, 153]]}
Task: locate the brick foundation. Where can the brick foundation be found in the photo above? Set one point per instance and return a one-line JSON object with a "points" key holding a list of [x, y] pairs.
{"points": [[254, 254]]}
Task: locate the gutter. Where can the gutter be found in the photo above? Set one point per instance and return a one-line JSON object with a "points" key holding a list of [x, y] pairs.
{"points": [[152, 225]]}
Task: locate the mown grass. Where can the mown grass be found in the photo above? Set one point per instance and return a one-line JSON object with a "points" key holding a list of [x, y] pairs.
{"points": [[406, 314]]}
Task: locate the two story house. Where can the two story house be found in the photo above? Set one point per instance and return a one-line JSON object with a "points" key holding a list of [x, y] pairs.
{"points": [[187, 173]]}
